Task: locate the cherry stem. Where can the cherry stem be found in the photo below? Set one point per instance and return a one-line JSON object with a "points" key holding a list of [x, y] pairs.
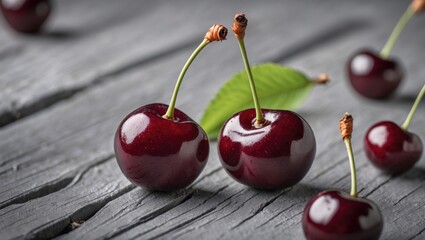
{"points": [[240, 23], [406, 123], [259, 114], [408, 14], [216, 33], [170, 111], [353, 191], [346, 129], [323, 78]]}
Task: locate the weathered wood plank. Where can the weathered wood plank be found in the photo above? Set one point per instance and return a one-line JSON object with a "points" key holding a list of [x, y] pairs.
{"points": [[94, 48], [46, 219]]}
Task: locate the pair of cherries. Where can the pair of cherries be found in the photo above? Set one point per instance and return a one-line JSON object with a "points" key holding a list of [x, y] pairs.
{"points": [[26, 16], [159, 147], [388, 146], [337, 215], [333, 214]]}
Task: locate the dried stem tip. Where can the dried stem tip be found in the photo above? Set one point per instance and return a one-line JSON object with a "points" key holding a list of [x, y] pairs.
{"points": [[418, 5], [323, 78], [239, 25], [346, 126], [216, 33]]}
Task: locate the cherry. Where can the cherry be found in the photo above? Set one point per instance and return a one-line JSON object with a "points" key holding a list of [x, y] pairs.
{"points": [[276, 155], [158, 153], [392, 148], [375, 75], [26, 16], [266, 149], [335, 215], [158, 147]]}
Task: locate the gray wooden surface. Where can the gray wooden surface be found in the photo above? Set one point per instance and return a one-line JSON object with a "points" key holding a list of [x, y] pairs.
{"points": [[64, 92]]}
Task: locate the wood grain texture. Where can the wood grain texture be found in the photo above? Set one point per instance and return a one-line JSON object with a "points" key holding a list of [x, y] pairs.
{"points": [[58, 176]]}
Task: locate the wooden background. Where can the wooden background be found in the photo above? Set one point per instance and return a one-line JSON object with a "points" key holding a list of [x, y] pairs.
{"points": [[63, 93]]}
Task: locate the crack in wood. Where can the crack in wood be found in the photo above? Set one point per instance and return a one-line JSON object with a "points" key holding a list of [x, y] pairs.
{"points": [[180, 225], [234, 210], [206, 200], [215, 194], [88, 167], [412, 211], [408, 194], [206, 215], [259, 209], [379, 186], [14, 168], [417, 234], [54, 186], [17, 113], [200, 205], [139, 203], [276, 215], [39, 192], [152, 215], [193, 191], [288, 219], [80, 215], [215, 208]]}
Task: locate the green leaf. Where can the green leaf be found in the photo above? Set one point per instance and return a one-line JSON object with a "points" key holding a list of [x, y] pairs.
{"points": [[277, 87]]}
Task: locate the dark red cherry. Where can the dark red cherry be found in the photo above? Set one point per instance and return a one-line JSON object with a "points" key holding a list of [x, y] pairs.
{"points": [[157, 146], [335, 215], [372, 76], [391, 148], [261, 148], [26, 16], [157, 153], [274, 156]]}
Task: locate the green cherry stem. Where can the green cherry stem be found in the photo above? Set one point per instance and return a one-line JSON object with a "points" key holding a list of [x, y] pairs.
{"points": [[215, 33], [346, 128], [353, 191], [258, 112], [170, 111], [408, 14], [239, 26], [409, 117]]}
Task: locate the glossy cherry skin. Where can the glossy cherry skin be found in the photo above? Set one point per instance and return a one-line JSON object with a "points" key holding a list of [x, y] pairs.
{"points": [[157, 153], [26, 16], [392, 149], [335, 215], [372, 76], [275, 156]]}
